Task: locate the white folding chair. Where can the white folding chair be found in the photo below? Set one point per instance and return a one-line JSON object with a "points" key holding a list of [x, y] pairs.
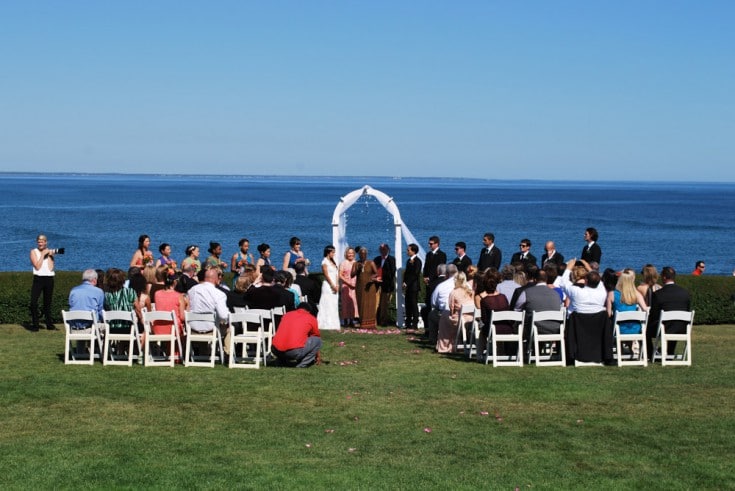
{"points": [[251, 324], [495, 338], [82, 336], [462, 339], [213, 338], [475, 347], [166, 355], [552, 338], [631, 316], [269, 325], [660, 344], [121, 326]]}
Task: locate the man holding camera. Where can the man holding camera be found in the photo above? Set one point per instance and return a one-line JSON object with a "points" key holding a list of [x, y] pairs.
{"points": [[42, 260]]}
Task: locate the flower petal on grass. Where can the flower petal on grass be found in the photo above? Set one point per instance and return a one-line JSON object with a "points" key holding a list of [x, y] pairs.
{"points": [[329, 430], [341, 343], [484, 413], [308, 445], [427, 430], [351, 450]]}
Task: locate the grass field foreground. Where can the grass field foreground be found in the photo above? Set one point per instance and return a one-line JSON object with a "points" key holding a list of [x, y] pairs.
{"points": [[383, 413]]}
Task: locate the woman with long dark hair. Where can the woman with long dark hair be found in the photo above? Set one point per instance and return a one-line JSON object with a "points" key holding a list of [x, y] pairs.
{"points": [[328, 316]]}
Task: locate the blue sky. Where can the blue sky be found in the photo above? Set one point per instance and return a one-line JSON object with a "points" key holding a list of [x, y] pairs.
{"points": [[506, 90]]}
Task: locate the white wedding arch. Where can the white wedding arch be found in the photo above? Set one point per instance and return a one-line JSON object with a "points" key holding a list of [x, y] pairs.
{"points": [[339, 237]]}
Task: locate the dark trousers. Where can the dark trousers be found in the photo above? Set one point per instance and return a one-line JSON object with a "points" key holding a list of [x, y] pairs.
{"points": [[42, 285], [412, 308], [383, 306]]}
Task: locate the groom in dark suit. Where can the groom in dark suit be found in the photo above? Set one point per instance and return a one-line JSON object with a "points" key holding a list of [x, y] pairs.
{"points": [[490, 255], [670, 297], [411, 286]]}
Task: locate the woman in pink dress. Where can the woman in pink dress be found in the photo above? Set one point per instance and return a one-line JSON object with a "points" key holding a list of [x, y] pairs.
{"points": [[348, 297], [461, 295], [167, 300]]}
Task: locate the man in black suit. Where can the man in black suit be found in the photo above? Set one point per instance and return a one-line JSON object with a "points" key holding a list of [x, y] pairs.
{"points": [[434, 258], [462, 261], [551, 255], [591, 252], [386, 265], [670, 297], [524, 256], [490, 255], [411, 286]]}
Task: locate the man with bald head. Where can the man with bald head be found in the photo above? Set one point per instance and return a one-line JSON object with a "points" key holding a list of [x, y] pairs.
{"points": [[551, 255], [204, 298]]}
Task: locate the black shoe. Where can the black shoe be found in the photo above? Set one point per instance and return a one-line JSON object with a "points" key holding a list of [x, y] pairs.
{"points": [[51, 328], [31, 328]]}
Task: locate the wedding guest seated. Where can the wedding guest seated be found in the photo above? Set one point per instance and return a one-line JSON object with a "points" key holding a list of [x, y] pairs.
{"points": [[288, 297], [440, 300], [589, 337], [167, 300], [120, 297], [670, 297], [625, 298], [87, 296], [509, 284], [204, 298], [263, 296], [236, 297], [492, 300], [188, 278], [159, 282], [540, 298], [519, 295], [649, 285], [309, 287], [461, 294], [297, 341]]}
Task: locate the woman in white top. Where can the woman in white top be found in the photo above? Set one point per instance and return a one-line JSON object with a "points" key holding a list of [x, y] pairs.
{"points": [[328, 316], [42, 260]]}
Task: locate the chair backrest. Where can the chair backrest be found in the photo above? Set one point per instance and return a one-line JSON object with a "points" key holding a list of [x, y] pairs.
{"points": [[159, 315], [631, 316], [199, 316], [677, 315], [128, 316], [549, 315], [78, 315], [247, 318], [506, 316]]}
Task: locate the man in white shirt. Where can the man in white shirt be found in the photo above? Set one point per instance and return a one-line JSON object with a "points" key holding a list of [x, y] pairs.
{"points": [[205, 297], [439, 302]]}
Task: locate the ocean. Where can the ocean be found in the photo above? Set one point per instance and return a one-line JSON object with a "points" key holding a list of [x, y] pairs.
{"points": [[98, 218]]}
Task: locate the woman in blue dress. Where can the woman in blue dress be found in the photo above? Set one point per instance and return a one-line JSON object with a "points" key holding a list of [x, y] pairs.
{"points": [[626, 298]]}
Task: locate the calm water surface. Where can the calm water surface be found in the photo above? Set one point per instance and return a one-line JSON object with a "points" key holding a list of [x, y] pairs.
{"points": [[98, 218]]}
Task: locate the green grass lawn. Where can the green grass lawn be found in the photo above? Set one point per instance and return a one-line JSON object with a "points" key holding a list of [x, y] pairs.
{"points": [[383, 413]]}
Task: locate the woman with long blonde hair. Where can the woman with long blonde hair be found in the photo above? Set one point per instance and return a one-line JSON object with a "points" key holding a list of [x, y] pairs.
{"points": [[624, 298], [461, 295]]}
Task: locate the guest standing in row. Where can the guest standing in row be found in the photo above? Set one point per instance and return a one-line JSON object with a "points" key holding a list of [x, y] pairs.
{"points": [[142, 254], [265, 258], [490, 255], [411, 286], [592, 253], [348, 297], [462, 261], [165, 259], [214, 260], [295, 253], [551, 255], [240, 259], [192, 258]]}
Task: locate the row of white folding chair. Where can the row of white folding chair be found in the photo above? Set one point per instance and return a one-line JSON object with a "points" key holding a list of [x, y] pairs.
{"points": [[504, 316], [269, 322], [252, 336], [212, 338], [90, 336], [660, 344], [638, 316]]}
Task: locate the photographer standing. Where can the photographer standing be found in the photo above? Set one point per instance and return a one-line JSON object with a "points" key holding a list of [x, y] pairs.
{"points": [[42, 260]]}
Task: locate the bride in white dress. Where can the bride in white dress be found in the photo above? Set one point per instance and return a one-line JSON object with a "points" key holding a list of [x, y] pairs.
{"points": [[328, 316]]}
